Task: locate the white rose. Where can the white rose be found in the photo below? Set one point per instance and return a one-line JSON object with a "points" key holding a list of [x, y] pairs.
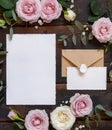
{"points": [[69, 15], [62, 118]]}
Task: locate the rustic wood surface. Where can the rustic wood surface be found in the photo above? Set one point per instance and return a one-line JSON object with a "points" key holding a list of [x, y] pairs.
{"points": [[59, 27]]}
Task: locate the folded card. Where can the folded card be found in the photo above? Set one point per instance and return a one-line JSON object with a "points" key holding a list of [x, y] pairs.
{"points": [[75, 58], [93, 79], [31, 69]]}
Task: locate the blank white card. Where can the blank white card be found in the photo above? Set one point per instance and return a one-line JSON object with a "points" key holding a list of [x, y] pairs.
{"points": [[31, 69]]}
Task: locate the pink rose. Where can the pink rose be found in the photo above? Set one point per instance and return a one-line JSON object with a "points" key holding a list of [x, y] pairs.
{"points": [[37, 120], [51, 10], [12, 115], [102, 30], [28, 10], [81, 105]]}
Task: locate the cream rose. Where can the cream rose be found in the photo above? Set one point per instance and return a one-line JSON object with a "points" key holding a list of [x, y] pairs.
{"points": [[62, 118], [69, 15], [51, 10], [102, 30], [28, 10], [37, 120], [81, 105]]}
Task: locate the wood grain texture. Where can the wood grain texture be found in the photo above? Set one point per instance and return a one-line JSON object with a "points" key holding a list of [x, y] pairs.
{"points": [[59, 28]]}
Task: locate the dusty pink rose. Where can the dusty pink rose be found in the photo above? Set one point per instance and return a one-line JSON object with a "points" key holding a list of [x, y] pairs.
{"points": [[37, 120], [81, 105], [51, 10], [102, 30], [28, 10]]}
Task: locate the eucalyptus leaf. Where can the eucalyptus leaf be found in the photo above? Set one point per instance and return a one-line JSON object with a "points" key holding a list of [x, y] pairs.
{"points": [[90, 36], [83, 39], [1, 61], [74, 39], [95, 8], [1, 99], [79, 25], [108, 113], [8, 21], [14, 15], [65, 42], [87, 122], [3, 52], [110, 75], [3, 27], [70, 28], [6, 4], [98, 109], [1, 87], [1, 45], [63, 37], [19, 125], [11, 33], [15, 127]]}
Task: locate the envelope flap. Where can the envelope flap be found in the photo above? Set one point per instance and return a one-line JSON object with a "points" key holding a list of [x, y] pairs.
{"points": [[78, 57]]}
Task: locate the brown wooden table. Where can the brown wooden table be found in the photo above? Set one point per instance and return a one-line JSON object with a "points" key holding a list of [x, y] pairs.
{"points": [[59, 27]]}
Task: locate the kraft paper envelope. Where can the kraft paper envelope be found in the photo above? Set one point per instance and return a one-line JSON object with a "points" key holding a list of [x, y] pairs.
{"points": [[31, 65], [74, 58], [93, 79]]}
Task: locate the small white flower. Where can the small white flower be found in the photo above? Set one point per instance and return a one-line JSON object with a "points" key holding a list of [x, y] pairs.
{"points": [[76, 128], [62, 118], [69, 15], [40, 22]]}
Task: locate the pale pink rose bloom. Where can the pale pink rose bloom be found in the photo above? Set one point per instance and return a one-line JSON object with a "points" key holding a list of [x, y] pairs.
{"points": [[102, 30], [81, 105], [51, 10], [36, 120], [28, 10]]}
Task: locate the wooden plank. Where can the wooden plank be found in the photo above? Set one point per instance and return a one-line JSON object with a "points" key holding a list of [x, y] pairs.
{"points": [[105, 125]]}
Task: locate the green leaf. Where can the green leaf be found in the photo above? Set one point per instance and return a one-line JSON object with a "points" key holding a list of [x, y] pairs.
{"points": [[79, 25], [74, 39], [19, 125], [95, 8], [1, 99], [108, 113], [90, 36], [3, 52], [11, 33], [0, 45], [1, 61], [14, 15], [15, 127], [8, 21], [98, 109], [63, 37], [6, 4], [1, 85], [110, 75], [8, 13], [93, 18], [70, 28], [83, 39], [87, 122], [65, 42], [63, 3]]}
